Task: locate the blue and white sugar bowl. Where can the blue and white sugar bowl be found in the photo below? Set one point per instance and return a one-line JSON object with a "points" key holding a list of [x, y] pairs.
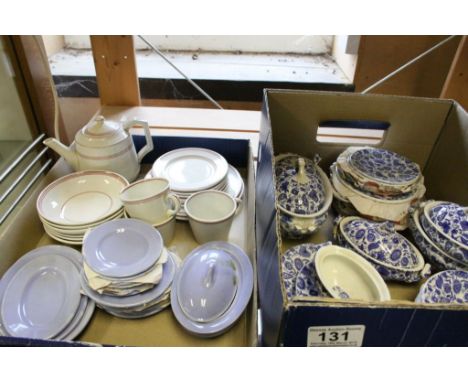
{"points": [[447, 287], [446, 224], [304, 195], [394, 257]]}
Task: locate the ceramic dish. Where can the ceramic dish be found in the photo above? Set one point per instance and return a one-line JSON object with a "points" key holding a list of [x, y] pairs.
{"points": [[429, 249], [73, 328], [447, 287], [451, 220], [222, 314], [136, 300], [293, 260], [122, 248], [191, 169], [390, 253], [346, 275], [384, 166], [79, 322], [81, 198], [450, 247]]}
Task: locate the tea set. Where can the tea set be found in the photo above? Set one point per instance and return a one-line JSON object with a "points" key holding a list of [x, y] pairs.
{"points": [[124, 226], [376, 193]]}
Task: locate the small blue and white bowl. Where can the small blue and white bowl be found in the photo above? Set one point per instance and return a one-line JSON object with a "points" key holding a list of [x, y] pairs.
{"points": [[446, 231], [430, 251], [447, 287], [394, 257], [304, 195]]}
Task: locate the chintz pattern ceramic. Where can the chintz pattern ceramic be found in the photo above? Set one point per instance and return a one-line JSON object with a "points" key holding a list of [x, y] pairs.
{"points": [[292, 262], [447, 287], [449, 247], [299, 185], [430, 251], [391, 254], [298, 228], [452, 220], [308, 283], [384, 166]]}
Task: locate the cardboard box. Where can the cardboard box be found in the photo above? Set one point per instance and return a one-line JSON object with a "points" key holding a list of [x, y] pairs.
{"points": [[26, 232], [432, 132]]}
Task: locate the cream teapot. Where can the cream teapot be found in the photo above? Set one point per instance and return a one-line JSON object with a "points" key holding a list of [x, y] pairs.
{"points": [[105, 145]]}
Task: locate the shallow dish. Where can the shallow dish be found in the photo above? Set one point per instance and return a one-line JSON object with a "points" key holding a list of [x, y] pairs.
{"points": [[81, 198], [346, 275], [244, 275], [191, 169], [41, 297], [447, 287], [122, 248]]}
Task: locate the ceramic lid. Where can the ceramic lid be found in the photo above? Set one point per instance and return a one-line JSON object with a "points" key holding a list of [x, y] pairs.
{"points": [[384, 166], [381, 242], [299, 185], [452, 219], [100, 133], [207, 285]]}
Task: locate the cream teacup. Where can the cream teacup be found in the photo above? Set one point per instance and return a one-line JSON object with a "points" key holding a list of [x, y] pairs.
{"points": [[149, 200]]}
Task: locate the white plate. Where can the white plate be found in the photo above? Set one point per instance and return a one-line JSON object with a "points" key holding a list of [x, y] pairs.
{"points": [[81, 198], [122, 248], [41, 298], [81, 228], [191, 169]]}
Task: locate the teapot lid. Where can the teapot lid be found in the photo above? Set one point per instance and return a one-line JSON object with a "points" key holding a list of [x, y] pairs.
{"points": [[100, 133]]}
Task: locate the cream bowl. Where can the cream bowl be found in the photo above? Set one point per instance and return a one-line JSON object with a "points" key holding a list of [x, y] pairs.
{"points": [[346, 275], [210, 215]]}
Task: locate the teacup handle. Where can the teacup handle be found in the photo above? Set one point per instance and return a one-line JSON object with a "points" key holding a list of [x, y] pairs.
{"points": [[175, 202]]}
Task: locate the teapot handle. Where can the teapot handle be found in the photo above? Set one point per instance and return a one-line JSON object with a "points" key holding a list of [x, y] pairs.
{"points": [[149, 140]]}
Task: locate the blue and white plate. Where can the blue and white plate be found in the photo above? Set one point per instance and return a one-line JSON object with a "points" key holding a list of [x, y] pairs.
{"points": [[300, 190], [452, 220], [384, 166], [308, 283], [293, 261], [447, 287]]}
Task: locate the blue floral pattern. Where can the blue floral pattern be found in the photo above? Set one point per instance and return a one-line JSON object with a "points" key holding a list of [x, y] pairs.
{"points": [[384, 166], [452, 220], [292, 262], [296, 197], [447, 287], [429, 250], [380, 242], [447, 246]]}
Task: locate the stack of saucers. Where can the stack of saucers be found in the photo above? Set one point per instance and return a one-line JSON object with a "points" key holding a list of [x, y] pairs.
{"points": [[40, 295], [379, 184], [127, 271], [190, 170], [440, 230], [71, 205]]}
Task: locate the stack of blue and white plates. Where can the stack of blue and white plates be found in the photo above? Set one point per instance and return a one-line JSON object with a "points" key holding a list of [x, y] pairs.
{"points": [[40, 296], [127, 270]]}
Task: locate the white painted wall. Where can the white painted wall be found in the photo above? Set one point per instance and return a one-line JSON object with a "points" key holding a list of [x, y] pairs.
{"points": [[344, 51], [268, 44], [13, 123]]}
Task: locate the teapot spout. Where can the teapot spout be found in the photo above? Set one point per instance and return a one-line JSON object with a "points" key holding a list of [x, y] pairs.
{"points": [[65, 152]]}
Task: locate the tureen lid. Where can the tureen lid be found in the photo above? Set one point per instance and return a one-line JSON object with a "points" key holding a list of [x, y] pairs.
{"points": [[450, 287], [100, 133], [207, 284], [384, 166], [381, 242], [299, 185], [452, 219]]}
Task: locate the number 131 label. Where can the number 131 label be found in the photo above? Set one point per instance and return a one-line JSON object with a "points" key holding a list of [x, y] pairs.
{"points": [[343, 335]]}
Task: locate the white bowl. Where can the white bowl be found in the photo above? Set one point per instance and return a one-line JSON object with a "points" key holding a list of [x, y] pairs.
{"points": [[210, 215], [345, 274], [81, 198]]}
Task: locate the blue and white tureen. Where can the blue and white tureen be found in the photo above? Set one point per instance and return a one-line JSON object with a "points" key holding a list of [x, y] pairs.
{"points": [[394, 257], [304, 195], [447, 287]]}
